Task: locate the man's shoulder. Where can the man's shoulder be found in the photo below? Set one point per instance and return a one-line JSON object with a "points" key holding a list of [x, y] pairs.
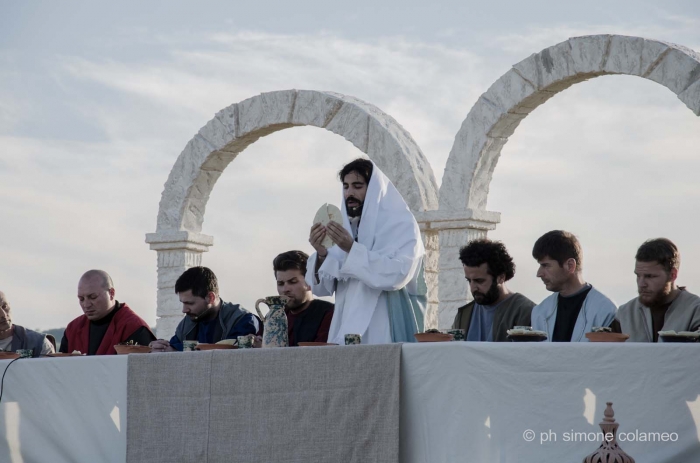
{"points": [[127, 315], [319, 304], [520, 300], [79, 320], [596, 296], [628, 306], [465, 307], [230, 307], [546, 302], [687, 298], [26, 332]]}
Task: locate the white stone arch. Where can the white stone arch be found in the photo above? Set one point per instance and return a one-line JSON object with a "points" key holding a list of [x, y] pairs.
{"points": [[498, 112], [178, 239]]}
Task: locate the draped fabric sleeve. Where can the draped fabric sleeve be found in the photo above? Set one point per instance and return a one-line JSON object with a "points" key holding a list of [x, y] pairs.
{"points": [[325, 285], [384, 271]]}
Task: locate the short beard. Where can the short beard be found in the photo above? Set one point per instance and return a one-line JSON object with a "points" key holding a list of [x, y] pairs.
{"points": [[354, 211], [490, 297], [658, 299]]}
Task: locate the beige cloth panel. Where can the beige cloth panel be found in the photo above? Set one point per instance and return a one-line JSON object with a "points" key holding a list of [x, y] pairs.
{"points": [[306, 404]]}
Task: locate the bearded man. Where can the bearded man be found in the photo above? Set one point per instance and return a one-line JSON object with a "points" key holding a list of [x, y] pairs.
{"points": [[309, 319], [495, 309], [375, 266], [661, 305]]}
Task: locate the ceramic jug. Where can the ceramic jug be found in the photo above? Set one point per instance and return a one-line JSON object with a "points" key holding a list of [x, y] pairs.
{"points": [[276, 332]]}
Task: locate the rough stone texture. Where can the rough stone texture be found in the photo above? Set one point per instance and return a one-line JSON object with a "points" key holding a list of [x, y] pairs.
{"points": [[499, 111], [234, 128], [534, 80], [177, 251]]}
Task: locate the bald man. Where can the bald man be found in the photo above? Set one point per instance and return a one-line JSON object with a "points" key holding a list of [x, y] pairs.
{"points": [[105, 321], [14, 337]]}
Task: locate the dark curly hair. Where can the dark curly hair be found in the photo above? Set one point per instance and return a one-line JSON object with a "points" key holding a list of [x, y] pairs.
{"points": [[290, 260], [558, 245], [493, 253], [200, 280], [362, 166], [661, 250]]}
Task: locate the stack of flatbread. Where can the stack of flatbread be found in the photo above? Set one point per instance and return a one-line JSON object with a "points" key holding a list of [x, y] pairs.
{"points": [[328, 213]]}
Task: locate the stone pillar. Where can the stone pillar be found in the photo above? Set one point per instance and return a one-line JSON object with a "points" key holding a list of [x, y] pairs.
{"points": [[177, 251], [430, 266], [453, 229]]}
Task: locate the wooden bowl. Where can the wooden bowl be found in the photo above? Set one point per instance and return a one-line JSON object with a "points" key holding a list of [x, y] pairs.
{"points": [[604, 336], [202, 346], [62, 354], [9, 355], [312, 344], [122, 349], [433, 337]]}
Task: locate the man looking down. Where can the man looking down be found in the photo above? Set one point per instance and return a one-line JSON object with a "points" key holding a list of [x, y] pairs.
{"points": [[105, 321]]}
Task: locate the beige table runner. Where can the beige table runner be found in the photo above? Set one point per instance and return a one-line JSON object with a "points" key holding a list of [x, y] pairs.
{"points": [[307, 404]]}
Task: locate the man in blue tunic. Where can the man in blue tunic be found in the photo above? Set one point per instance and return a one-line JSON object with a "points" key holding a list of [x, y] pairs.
{"points": [[208, 318]]}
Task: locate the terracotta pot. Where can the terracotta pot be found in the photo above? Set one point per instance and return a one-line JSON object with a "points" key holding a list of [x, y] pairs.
{"points": [[604, 336], [201, 346], [433, 337], [122, 350]]}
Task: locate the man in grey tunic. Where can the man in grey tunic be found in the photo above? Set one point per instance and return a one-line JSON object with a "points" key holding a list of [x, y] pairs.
{"points": [[661, 304], [14, 337], [495, 309]]}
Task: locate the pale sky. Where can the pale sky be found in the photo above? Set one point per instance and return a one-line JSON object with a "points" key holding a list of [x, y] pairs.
{"points": [[98, 99]]}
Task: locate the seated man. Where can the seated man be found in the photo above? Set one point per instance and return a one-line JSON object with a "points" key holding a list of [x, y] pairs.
{"points": [[495, 309], [105, 321], [14, 337], [576, 306], [208, 318], [661, 305], [309, 319]]}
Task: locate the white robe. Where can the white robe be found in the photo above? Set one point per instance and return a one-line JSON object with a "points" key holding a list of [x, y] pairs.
{"points": [[386, 257]]}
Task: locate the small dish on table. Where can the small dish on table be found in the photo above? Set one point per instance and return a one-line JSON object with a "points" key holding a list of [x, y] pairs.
{"points": [[681, 336], [526, 334]]}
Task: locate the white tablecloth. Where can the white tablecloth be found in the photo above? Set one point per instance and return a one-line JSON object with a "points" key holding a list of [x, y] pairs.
{"points": [[57, 410], [460, 402], [473, 402]]}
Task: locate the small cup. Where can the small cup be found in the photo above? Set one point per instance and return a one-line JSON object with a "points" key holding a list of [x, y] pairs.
{"points": [[351, 339], [524, 328], [25, 353], [457, 334], [245, 342], [188, 346]]}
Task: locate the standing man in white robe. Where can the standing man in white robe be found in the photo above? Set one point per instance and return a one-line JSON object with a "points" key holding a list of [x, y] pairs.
{"points": [[375, 266]]}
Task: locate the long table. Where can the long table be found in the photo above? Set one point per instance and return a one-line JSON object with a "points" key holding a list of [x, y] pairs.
{"points": [[466, 402]]}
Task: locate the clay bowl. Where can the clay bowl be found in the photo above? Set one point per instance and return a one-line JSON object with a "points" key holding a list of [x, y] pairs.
{"points": [[311, 344], [433, 337], [201, 346], [603, 336], [122, 350], [9, 355]]}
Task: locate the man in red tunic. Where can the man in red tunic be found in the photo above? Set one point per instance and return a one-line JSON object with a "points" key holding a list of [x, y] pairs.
{"points": [[105, 321]]}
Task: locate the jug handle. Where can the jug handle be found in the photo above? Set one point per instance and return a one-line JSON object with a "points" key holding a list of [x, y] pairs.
{"points": [[257, 309]]}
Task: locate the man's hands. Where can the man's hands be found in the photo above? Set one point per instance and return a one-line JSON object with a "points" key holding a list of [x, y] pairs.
{"points": [[318, 232], [340, 236], [161, 345], [337, 233]]}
